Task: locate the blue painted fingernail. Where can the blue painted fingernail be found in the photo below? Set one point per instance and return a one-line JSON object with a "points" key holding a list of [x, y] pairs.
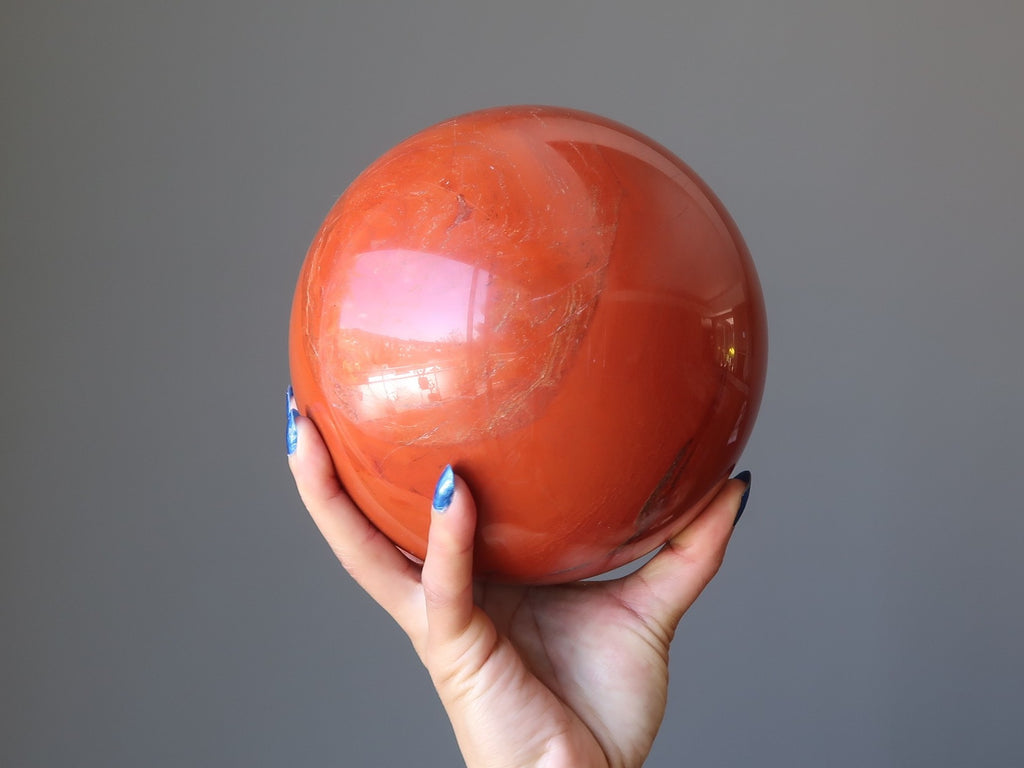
{"points": [[445, 490], [291, 433], [745, 477]]}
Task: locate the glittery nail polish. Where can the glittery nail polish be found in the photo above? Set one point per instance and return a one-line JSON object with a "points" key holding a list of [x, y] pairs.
{"points": [[445, 490], [291, 433]]}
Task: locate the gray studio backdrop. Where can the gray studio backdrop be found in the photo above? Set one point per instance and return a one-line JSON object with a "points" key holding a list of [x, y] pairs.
{"points": [[165, 599]]}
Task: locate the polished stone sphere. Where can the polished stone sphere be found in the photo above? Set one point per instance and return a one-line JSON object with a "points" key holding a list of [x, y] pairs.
{"points": [[555, 305]]}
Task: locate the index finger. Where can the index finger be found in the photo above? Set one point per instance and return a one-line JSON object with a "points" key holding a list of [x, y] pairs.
{"points": [[387, 575]]}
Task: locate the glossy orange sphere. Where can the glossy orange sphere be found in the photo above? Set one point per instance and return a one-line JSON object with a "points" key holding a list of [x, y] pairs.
{"points": [[554, 304]]}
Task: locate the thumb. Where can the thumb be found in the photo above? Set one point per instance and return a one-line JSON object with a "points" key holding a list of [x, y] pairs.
{"points": [[668, 585]]}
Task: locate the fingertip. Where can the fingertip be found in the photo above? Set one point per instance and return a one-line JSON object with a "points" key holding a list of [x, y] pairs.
{"points": [[311, 465]]}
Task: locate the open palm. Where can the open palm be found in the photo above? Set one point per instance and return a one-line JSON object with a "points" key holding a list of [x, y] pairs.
{"points": [[569, 675]]}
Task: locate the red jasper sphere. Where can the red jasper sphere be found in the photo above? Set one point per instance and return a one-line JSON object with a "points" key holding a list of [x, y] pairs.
{"points": [[554, 304]]}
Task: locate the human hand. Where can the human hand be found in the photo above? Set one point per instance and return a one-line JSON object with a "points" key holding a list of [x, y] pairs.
{"points": [[572, 675]]}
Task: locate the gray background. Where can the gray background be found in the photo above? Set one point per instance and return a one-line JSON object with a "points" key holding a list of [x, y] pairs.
{"points": [[165, 600]]}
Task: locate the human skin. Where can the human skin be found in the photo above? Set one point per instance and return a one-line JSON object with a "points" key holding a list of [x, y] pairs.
{"points": [[564, 676]]}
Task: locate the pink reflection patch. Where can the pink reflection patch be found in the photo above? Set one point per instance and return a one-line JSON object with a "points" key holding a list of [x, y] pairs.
{"points": [[412, 295]]}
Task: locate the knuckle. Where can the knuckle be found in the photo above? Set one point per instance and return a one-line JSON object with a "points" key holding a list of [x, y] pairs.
{"points": [[436, 593]]}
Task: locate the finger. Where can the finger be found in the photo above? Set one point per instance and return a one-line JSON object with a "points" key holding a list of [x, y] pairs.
{"points": [[447, 576], [667, 586], [369, 556]]}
